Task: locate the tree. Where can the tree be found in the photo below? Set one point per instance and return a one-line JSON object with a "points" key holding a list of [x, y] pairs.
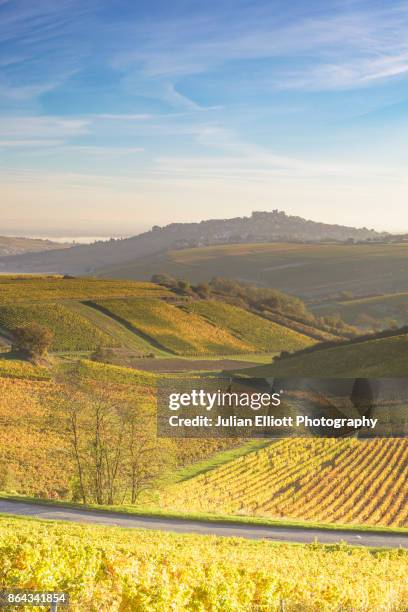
{"points": [[183, 285], [33, 340], [164, 279], [112, 439], [203, 290], [146, 457]]}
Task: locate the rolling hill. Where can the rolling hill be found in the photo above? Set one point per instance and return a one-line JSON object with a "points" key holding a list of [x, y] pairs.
{"points": [[146, 319], [369, 310], [249, 327], [259, 227], [14, 245], [376, 358], [71, 331], [305, 270], [203, 328]]}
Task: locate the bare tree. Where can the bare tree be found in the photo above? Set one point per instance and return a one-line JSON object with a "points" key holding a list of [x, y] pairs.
{"points": [[112, 438]]}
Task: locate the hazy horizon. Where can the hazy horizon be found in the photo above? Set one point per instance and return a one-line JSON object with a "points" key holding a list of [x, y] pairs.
{"points": [[117, 117], [84, 238]]}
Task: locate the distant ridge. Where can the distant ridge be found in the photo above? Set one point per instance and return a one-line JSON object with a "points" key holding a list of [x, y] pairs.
{"points": [[265, 226], [16, 245]]}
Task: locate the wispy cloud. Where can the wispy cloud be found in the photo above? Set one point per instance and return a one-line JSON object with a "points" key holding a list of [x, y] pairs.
{"points": [[28, 144], [347, 47], [41, 128], [123, 117]]}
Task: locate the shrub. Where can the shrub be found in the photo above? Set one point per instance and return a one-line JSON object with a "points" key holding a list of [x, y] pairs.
{"points": [[33, 340]]}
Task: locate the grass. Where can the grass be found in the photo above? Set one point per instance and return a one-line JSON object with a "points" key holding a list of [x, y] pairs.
{"points": [[208, 517], [263, 335], [201, 467], [173, 329]]}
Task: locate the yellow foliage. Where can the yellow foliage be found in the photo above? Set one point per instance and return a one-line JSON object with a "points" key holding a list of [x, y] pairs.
{"points": [[331, 480], [113, 569]]}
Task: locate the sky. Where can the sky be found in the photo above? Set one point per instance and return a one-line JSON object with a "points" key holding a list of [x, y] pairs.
{"points": [[116, 115]]}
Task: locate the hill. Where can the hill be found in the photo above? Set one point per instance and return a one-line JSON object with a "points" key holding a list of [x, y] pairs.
{"points": [[146, 319], [203, 328], [326, 480], [259, 227], [34, 289], [376, 358], [250, 328], [71, 331], [34, 448], [305, 270], [14, 245], [368, 311]]}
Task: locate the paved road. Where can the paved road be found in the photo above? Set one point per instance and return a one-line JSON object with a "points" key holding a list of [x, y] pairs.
{"points": [[254, 532]]}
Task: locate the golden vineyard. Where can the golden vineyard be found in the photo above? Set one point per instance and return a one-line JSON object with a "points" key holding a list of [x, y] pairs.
{"points": [[337, 481]]}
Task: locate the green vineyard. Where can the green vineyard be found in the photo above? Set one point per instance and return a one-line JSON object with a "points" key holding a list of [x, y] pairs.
{"points": [[71, 331], [175, 330], [338, 481], [377, 358], [17, 289], [250, 328]]}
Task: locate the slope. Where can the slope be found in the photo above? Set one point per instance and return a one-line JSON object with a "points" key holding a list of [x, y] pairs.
{"points": [[71, 331], [259, 227], [330, 480], [306, 270], [173, 329], [379, 357], [250, 328]]}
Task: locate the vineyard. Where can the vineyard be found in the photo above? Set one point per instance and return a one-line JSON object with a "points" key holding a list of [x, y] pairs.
{"points": [[329, 480], [144, 318], [71, 331], [33, 453], [13, 368], [175, 330], [364, 310], [34, 457], [250, 328], [377, 358], [20, 289], [105, 568]]}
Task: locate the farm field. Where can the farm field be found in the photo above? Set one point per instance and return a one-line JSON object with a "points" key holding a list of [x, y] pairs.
{"points": [[329, 480], [14, 368], [22, 289], [34, 457], [173, 329], [83, 320], [306, 270], [250, 328], [71, 331], [380, 357], [123, 336], [120, 569]]}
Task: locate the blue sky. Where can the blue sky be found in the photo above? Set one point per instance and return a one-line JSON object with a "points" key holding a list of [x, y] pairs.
{"points": [[116, 115]]}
